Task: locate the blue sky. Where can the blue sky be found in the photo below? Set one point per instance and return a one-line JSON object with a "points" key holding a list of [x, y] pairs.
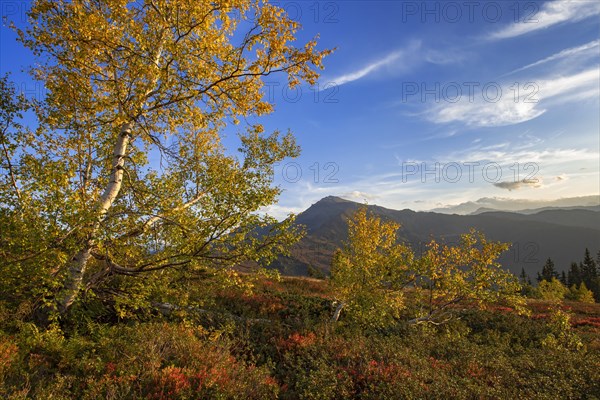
{"points": [[430, 104], [440, 103]]}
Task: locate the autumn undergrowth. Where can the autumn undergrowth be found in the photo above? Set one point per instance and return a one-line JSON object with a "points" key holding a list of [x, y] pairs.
{"points": [[278, 341]]}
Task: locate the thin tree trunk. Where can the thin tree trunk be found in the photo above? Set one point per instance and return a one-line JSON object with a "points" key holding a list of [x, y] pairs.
{"points": [[338, 311], [77, 265], [11, 170]]}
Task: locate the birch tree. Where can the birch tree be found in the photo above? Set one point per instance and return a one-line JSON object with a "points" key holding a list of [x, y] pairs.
{"points": [[370, 272], [378, 280], [127, 170], [468, 273]]}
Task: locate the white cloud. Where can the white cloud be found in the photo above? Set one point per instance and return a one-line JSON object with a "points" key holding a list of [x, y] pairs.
{"points": [[523, 154], [559, 85], [444, 57], [357, 195], [401, 60], [280, 212], [590, 49], [551, 13], [361, 73], [484, 113], [514, 103]]}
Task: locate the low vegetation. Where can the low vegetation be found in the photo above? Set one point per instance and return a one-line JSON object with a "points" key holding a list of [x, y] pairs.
{"points": [[279, 342]]}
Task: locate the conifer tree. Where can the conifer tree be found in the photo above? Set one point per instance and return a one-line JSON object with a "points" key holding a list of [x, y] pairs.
{"points": [[589, 268], [589, 272], [548, 271], [563, 278], [524, 278], [574, 275]]}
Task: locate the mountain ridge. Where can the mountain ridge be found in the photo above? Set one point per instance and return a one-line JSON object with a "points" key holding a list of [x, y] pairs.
{"points": [[518, 205], [560, 234]]}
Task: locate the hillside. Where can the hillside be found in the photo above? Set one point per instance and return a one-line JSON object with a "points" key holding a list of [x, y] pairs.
{"points": [[560, 234]]}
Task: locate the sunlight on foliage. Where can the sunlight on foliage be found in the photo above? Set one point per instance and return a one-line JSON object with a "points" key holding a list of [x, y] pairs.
{"points": [[127, 174], [369, 274], [561, 334]]}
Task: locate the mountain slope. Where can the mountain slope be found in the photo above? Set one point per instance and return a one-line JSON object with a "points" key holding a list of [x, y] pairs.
{"points": [[561, 235]]}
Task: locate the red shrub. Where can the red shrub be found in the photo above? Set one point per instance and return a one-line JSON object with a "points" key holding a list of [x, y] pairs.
{"points": [[475, 370], [439, 364], [8, 353], [263, 303], [297, 341], [589, 321]]}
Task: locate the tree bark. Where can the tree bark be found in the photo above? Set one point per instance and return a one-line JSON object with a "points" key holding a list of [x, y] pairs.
{"points": [[338, 311], [78, 264]]}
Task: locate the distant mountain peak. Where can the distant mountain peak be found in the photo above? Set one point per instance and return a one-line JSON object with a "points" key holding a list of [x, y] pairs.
{"points": [[333, 199]]}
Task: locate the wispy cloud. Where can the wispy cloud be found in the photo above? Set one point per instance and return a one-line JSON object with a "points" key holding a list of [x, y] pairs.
{"points": [[586, 49], [444, 57], [402, 60], [361, 73], [357, 195], [516, 106], [523, 154], [392, 59], [551, 13]]}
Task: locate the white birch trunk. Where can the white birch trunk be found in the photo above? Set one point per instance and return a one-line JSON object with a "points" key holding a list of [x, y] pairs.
{"points": [[77, 265], [338, 311]]}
